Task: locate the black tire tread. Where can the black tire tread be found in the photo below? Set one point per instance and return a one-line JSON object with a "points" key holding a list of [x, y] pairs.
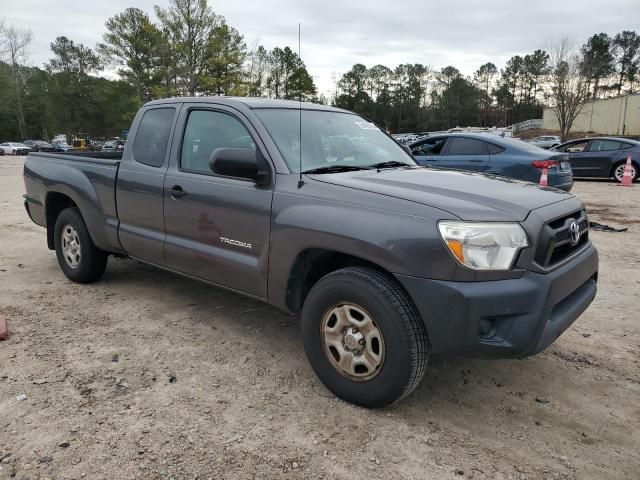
{"points": [[398, 298], [94, 260]]}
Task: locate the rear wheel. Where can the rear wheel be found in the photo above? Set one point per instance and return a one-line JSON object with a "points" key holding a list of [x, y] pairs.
{"points": [[618, 172], [363, 337], [80, 260]]}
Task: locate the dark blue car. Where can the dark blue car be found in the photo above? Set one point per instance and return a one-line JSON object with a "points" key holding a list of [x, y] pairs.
{"points": [[481, 152], [602, 157]]}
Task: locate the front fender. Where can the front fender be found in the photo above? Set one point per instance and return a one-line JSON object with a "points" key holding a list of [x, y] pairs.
{"points": [[398, 243]]}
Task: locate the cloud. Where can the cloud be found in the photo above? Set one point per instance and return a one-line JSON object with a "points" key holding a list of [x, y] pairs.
{"points": [[336, 35]]}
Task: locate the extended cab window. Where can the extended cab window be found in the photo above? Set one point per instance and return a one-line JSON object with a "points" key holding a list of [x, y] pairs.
{"points": [[206, 131], [467, 146], [150, 146]]}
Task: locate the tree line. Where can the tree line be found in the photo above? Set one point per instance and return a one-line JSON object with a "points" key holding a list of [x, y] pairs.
{"points": [[415, 97], [191, 50]]}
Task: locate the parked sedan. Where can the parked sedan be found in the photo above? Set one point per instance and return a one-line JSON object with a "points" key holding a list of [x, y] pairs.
{"points": [[481, 152], [109, 146], [602, 157], [14, 148], [39, 145], [546, 141], [61, 146]]}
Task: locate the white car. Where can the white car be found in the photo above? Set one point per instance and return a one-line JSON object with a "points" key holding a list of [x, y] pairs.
{"points": [[546, 141], [13, 148]]}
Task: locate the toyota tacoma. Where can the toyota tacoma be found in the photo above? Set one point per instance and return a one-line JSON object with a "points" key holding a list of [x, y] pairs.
{"points": [[318, 212]]}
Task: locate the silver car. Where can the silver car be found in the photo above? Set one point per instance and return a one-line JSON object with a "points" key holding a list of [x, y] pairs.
{"points": [[546, 141]]}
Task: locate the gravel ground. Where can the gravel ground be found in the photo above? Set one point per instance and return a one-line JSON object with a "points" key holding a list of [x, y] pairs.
{"points": [[145, 374]]}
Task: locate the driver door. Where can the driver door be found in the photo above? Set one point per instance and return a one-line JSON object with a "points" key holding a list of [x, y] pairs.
{"points": [[577, 157], [217, 227], [427, 152]]}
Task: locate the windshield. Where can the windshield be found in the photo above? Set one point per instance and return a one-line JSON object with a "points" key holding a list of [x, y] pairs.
{"points": [[329, 139]]}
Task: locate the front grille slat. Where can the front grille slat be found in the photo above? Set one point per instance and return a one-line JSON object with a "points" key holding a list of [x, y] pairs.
{"points": [[555, 243]]}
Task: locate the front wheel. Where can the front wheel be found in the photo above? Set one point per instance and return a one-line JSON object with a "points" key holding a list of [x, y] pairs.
{"points": [[363, 337], [80, 260], [618, 172]]}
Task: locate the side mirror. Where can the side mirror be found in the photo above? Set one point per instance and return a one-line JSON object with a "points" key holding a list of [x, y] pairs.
{"points": [[238, 162]]}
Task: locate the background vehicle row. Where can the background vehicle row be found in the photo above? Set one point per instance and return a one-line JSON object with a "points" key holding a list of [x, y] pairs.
{"points": [[477, 152]]}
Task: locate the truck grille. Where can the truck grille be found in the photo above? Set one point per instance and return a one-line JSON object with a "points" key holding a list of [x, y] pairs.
{"points": [[557, 242]]}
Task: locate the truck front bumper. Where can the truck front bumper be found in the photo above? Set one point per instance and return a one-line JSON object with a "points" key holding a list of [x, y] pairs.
{"points": [[505, 318]]}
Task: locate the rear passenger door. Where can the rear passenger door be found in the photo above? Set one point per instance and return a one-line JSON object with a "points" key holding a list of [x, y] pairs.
{"points": [[139, 188], [463, 153], [600, 157], [217, 227]]}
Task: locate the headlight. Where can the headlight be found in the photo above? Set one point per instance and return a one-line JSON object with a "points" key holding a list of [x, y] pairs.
{"points": [[484, 246]]}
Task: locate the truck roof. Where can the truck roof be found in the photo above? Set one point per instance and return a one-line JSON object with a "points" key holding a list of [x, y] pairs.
{"points": [[250, 102]]}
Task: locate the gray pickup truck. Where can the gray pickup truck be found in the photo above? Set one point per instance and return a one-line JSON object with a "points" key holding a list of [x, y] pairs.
{"points": [[318, 212]]}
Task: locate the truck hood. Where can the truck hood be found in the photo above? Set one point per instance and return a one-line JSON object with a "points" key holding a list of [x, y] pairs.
{"points": [[468, 196]]}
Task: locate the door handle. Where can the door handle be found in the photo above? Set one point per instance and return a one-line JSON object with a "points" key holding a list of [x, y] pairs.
{"points": [[176, 192]]}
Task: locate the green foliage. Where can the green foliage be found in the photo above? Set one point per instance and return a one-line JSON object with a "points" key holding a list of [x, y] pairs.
{"points": [[287, 76], [193, 51], [134, 43], [225, 54], [188, 25], [597, 60], [626, 49]]}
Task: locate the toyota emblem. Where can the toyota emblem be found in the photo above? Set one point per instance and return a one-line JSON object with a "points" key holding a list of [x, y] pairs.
{"points": [[574, 231]]}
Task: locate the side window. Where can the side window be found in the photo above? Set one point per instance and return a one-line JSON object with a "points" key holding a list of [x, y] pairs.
{"points": [[152, 137], [494, 149], [429, 147], [604, 145], [625, 145], [467, 146], [574, 147], [206, 131]]}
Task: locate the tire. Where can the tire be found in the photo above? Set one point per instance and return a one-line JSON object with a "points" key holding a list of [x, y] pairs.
{"points": [[619, 168], [366, 297], [80, 260]]}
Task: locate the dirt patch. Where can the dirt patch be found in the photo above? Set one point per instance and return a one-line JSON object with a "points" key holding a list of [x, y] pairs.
{"points": [[149, 375]]}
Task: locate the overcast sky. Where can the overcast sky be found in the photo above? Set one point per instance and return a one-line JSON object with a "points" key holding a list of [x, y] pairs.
{"points": [[337, 34]]}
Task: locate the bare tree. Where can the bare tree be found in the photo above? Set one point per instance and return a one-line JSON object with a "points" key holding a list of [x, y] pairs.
{"points": [[568, 88], [17, 41], [3, 39]]}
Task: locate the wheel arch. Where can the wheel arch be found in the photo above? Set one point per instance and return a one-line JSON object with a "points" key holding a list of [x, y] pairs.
{"points": [[622, 161], [56, 202], [311, 264]]}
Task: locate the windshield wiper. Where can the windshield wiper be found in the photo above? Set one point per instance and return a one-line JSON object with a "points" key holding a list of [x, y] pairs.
{"points": [[390, 164], [335, 169]]}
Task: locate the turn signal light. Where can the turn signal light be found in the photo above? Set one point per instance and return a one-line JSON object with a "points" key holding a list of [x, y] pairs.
{"points": [[456, 248], [544, 164]]}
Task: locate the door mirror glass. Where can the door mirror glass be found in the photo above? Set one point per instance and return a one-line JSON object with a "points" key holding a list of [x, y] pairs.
{"points": [[237, 162]]}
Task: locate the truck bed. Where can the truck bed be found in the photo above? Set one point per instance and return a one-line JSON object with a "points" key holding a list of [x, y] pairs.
{"points": [[86, 180], [80, 156]]}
